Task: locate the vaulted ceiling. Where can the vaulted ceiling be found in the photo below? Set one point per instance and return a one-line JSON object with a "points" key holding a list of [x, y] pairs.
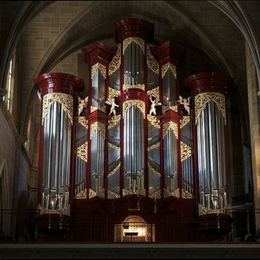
{"points": [[54, 30]]}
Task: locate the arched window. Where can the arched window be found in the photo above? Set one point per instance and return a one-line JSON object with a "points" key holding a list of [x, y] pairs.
{"points": [[8, 98]]}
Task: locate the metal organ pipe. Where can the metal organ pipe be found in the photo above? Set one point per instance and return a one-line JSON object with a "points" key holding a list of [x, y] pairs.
{"points": [[57, 90]]}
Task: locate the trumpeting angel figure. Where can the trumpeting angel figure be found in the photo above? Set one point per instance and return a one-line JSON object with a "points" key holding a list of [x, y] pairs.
{"points": [[82, 103], [154, 103], [185, 102], [112, 103]]}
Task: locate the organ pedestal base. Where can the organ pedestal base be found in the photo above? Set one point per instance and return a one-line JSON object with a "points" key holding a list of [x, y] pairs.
{"points": [[54, 224], [215, 226]]}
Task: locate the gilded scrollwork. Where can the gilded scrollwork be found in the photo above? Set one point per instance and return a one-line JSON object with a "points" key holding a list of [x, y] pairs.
{"points": [[172, 127], [186, 195], [112, 195], [128, 86], [98, 67], [154, 146], [169, 66], [65, 100], [115, 169], [151, 62], [155, 194], [110, 145], [114, 121], [185, 120], [174, 108], [63, 211], [116, 61], [112, 93], [185, 151], [92, 193], [138, 103], [82, 194], [203, 210], [130, 40], [150, 166], [83, 121], [201, 100], [82, 152], [95, 127], [175, 193], [153, 120], [154, 92]]}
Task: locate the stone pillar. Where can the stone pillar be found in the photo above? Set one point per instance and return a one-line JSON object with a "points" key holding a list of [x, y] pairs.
{"points": [[254, 118]]}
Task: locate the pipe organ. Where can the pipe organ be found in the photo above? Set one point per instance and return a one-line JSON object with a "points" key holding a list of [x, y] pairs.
{"points": [[135, 139]]}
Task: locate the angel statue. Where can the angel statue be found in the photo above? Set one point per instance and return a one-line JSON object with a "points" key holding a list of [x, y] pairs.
{"points": [[112, 103], [185, 102], [82, 104], [154, 103]]}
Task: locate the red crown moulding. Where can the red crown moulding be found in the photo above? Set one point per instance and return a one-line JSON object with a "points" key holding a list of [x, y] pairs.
{"points": [[168, 52], [207, 82], [97, 115], [59, 82], [133, 94], [134, 27], [98, 53], [170, 115]]}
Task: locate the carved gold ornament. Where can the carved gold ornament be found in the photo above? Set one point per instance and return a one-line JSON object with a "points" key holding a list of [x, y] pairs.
{"points": [[112, 93], [82, 152], [186, 195], [110, 145], [154, 146], [92, 193], [128, 86], [65, 100], [63, 211], [201, 100], [92, 109], [203, 210], [98, 67], [137, 103], [115, 169], [175, 193], [153, 120], [116, 61], [82, 194], [130, 40], [153, 169], [95, 127], [155, 194], [172, 127], [114, 121], [112, 194], [169, 66], [83, 121], [185, 120], [185, 151], [154, 92], [151, 62]]}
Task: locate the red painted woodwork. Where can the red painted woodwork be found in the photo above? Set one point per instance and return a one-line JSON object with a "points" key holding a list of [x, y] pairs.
{"points": [[168, 52], [59, 82], [207, 82], [98, 53], [134, 27]]}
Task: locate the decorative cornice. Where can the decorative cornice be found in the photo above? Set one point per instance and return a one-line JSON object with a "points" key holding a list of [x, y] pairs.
{"points": [[169, 66], [97, 126], [184, 121], [170, 126], [98, 67], [201, 100], [137, 103], [130, 40], [65, 100]]}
